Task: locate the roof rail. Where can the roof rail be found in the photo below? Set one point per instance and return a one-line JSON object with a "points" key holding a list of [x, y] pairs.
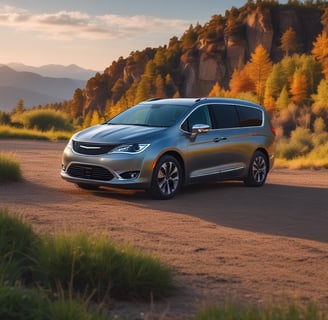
{"points": [[202, 98], [154, 99]]}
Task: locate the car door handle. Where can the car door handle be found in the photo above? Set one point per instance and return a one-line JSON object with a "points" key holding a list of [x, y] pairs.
{"points": [[219, 139]]}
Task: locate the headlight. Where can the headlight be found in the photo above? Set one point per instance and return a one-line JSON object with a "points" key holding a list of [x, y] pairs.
{"points": [[131, 148]]}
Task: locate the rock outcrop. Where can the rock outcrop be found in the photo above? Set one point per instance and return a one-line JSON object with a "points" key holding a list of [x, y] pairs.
{"points": [[265, 26]]}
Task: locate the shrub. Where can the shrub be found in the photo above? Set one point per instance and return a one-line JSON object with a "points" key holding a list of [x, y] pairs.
{"points": [[300, 144], [9, 168], [44, 120]]}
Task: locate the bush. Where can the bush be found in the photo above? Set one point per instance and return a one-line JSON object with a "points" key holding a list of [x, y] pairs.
{"points": [[44, 120], [18, 245], [94, 265], [9, 168], [300, 144]]}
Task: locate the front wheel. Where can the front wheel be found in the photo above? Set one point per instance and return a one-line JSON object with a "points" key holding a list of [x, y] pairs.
{"points": [[258, 170], [167, 178]]}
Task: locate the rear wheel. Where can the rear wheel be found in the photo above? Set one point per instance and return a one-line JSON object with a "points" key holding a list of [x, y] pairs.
{"points": [[258, 170], [167, 178]]}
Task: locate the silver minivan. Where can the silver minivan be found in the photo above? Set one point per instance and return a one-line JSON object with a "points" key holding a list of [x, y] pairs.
{"points": [[162, 144]]}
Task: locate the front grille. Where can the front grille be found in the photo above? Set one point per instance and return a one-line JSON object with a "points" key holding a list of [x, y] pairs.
{"points": [[92, 148], [89, 172]]}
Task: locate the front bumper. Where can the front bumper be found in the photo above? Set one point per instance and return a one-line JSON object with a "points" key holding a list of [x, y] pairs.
{"points": [[111, 169]]}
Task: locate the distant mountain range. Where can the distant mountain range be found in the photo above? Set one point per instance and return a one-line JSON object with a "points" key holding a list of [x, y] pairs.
{"points": [[56, 70], [46, 84]]}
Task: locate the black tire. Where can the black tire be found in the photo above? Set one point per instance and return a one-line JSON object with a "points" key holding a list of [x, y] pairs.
{"points": [[166, 179], [87, 186], [258, 170]]}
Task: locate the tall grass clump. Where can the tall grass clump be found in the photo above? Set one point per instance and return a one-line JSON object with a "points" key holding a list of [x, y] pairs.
{"points": [[18, 303], [43, 120], [18, 245], [95, 266], [282, 311], [7, 132], [9, 168]]}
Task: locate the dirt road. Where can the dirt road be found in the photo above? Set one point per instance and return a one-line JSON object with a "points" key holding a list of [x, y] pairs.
{"points": [[223, 240]]}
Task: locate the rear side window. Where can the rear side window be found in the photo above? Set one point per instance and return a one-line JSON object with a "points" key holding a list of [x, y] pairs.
{"points": [[249, 117], [225, 116]]}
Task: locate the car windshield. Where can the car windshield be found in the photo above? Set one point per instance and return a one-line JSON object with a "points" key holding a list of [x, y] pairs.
{"points": [[151, 115]]}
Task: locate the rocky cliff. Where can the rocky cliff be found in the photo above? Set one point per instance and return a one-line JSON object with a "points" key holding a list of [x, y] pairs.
{"points": [[215, 61], [221, 45]]}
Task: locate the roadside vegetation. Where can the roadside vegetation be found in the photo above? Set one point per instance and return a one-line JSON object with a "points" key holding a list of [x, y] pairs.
{"points": [[74, 276], [9, 168], [61, 276], [286, 310]]}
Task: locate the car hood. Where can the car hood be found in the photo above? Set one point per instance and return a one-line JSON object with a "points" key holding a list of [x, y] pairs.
{"points": [[115, 134]]}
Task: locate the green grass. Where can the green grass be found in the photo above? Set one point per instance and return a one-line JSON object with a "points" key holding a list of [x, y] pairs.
{"points": [[8, 132], [67, 268], [94, 265], [283, 311], [9, 168], [19, 303]]}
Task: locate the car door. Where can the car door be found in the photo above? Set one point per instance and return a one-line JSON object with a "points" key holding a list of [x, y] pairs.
{"points": [[209, 153]]}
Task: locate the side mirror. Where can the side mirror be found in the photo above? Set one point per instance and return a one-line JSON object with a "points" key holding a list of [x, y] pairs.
{"points": [[197, 129]]}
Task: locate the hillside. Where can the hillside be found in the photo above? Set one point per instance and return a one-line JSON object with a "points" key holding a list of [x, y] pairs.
{"points": [[205, 55], [33, 88]]}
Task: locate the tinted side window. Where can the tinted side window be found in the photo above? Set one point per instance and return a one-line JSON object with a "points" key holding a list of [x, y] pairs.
{"points": [[249, 117], [225, 116]]}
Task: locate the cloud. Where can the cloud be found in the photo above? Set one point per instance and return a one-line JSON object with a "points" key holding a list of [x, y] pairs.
{"points": [[70, 25]]}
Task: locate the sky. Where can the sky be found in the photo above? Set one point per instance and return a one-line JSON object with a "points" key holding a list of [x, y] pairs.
{"points": [[94, 33]]}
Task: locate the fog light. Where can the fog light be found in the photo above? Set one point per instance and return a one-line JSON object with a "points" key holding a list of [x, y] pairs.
{"points": [[130, 174]]}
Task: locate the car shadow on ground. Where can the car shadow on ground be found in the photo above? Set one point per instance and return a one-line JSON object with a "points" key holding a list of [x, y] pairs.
{"points": [[274, 209]]}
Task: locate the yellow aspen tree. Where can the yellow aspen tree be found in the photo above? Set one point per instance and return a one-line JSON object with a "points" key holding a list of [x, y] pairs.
{"points": [[240, 82], [259, 69], [298, 87], [320, 51], [215, 91], [95, 118]]}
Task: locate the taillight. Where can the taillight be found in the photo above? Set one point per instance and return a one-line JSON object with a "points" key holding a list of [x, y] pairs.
{"points": [[273, 130]]}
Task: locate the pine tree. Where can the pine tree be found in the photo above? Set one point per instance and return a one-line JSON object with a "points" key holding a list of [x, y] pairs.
{"points": [[159, 87], [258, 69], [320, 100], [289, 43], [240, 82], [216, 90], [19, 107], [275, 81], [298, 87], [320, 51], [76, 105], [283, 99]]}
